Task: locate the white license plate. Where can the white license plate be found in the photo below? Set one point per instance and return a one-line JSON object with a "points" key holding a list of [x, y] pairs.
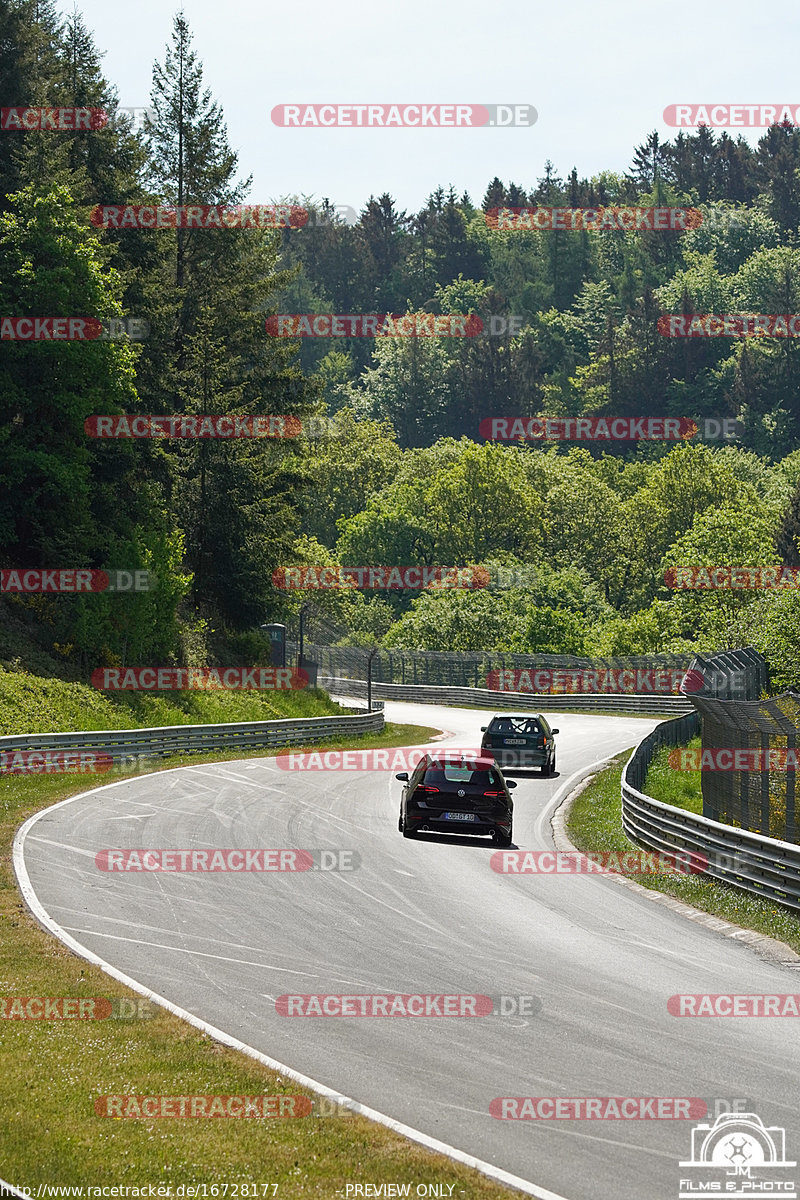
{"points": [[514, 742], [459, 816]]}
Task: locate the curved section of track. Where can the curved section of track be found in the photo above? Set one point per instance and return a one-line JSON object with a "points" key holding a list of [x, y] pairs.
{"points": [[425, 915]]}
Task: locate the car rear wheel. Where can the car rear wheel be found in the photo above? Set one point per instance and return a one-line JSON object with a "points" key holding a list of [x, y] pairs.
{"points": [[501, 838], [406, 830]]}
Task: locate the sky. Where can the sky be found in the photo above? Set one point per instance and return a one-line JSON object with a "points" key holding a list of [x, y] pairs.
{"points": [[598, 74]]}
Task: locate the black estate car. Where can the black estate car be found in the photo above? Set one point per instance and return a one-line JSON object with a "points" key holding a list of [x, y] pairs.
{"points": [[457, 795], [520, 740]]}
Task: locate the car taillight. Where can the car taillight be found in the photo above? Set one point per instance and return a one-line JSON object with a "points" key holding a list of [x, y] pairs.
{"points": [[426, 790], [494, 795]]}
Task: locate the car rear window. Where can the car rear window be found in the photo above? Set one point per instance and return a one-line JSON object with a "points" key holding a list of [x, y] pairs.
{"points": [[508, 726], [436, 776]]}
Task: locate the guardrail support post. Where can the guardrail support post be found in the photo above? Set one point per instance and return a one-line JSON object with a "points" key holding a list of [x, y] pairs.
{"points": [[370, 657]]}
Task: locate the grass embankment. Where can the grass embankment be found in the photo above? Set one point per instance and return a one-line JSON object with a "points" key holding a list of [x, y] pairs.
{"points": [[30, 704], [595, 824], [51, 1071], [679, 788]]}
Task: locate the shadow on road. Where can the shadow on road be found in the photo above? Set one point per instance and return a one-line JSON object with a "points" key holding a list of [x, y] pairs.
{"points": [[477, 841]]}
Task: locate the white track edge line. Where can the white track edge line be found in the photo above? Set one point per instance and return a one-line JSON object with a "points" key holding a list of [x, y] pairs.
{"points": [[219, 1035]]}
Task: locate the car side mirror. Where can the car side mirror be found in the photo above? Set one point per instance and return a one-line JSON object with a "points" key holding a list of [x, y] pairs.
{"points": [[555, 730], [511, 783], [403, 777], [484, 728]]}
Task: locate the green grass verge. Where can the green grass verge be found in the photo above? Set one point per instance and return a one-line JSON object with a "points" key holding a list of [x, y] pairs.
{"points": [[30, 704], [679, 788], [595, 824], [52, 1071]]}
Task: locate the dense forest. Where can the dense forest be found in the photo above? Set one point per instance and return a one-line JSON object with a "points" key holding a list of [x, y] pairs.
{"points": [[391, 467]]}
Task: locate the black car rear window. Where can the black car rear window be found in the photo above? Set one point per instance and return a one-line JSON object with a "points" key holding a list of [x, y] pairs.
{"points": [[511, 727], [438, 776]]}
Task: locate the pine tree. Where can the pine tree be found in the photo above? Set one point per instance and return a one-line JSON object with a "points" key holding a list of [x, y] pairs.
{"points": [[778, 155], [237, 501], [650, 163], [383, 232], [190, 160], [494, 196], [550, 190], [454, 254], [31, 74]]}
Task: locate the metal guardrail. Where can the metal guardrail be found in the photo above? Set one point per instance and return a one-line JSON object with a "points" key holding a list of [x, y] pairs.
{"points": [[487, 698], [760, 865], [165, 740], [729, 675], [464, 668]]}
